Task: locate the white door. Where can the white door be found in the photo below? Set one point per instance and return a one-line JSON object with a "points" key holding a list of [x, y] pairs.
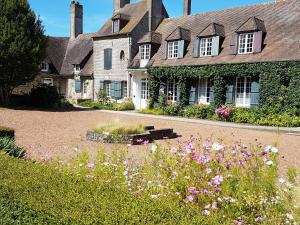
{"points": [[84, 89], [243, 90], [144, 93]]}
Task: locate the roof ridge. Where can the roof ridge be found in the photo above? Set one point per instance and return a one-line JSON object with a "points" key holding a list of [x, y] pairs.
{"points": [[231, 8]]}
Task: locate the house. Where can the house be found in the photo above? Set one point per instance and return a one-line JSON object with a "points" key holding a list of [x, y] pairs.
{"points": [[217, 40]]}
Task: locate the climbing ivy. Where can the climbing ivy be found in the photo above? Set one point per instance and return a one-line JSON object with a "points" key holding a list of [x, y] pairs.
{"points": [[272, 75]]}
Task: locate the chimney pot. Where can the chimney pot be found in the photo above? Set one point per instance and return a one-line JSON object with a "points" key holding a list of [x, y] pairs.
{"points": [[187, 7], [119, 4]]}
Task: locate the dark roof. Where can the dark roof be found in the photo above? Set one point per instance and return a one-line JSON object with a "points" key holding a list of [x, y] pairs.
{"points": [[252, 24], [150, 37], [281, 21], [88, 69], [120, 16], [56, 50], [179, 34], [134, 13], [213, 29], [77, 51]]}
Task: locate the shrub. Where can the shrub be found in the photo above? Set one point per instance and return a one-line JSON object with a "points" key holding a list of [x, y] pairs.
{"points": [[44, 96], [8, 145], [124, 106], [172, 109], [197, 111], [154, 111], [80, 101], [7, 132], [119, 129], [65, 104], [225, 112], [103, 99]]}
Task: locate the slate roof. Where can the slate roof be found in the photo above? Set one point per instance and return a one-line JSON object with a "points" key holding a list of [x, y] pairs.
{"points": [[179, 34], [213, 29], [151, 37], [281, 20], [56, 50], [88, 69]]}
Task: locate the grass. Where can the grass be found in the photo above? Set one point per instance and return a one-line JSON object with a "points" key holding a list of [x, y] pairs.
{"points": [[156, 111], [120, 129]]}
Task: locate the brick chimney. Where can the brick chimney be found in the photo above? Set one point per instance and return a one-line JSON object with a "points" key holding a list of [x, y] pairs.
{"points": [[119, 4], [187, 7], [76, 24], [155, 9]]}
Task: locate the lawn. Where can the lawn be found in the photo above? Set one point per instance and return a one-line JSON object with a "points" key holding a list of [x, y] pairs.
{"points": [[200, 182]]}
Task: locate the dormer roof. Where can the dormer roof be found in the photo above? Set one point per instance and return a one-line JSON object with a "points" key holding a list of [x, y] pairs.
{"points": [[213, 29], [151, 37], [179, 34], [252, 24]]}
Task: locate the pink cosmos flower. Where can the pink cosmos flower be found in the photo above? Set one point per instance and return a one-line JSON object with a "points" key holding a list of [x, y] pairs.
{"points": [[217, 180], [190, 198], [91, 165], [193, 190]]}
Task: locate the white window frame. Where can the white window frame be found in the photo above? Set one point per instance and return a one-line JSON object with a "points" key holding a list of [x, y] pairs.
{"points": [[77, 69], [124, 89], [144, 89], [173, 49], [48, 81], [204, 96], [172, 91], [145, 51], [46, 68], [116, 26], [206, 46], [244, 100], [85, 87], [107, 86], [246, 43]]}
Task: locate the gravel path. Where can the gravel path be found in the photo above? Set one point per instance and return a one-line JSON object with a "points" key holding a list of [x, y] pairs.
{"points": [[59, 134]]}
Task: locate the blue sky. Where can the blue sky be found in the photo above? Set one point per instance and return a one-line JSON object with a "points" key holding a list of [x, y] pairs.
{"points": [[55, 13]]}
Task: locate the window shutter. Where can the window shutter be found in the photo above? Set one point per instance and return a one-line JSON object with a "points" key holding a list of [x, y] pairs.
{"points": [[77, 86], [229, 92], [107, 58], [112, 89], [118, 89], [258, 36], [234, 43], [254, 95], [164, 54], [212, 97], [196, 46], [180, 49], [215, 45], [101, 88], [192, 99]]}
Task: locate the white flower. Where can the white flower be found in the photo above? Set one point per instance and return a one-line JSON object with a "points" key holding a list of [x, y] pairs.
{"points": [[274, 150], [268, 148], [281, 181], [269, 163], [206, 212], [289, 216], [155, 196], [217, 147], [125, 173], [154, 148]]}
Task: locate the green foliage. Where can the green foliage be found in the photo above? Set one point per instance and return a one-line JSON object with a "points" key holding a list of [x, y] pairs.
{"points": [[44, 96], [279, 81], [22, 43], [8, 145], [172, 109], [197, 111], [7, 132], [107, 190], [119, 129], [154, 111], [124, 106], [103, 99]]}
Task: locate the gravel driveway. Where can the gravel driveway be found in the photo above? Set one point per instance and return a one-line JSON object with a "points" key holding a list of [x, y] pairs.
{"points": [[60, 134]]}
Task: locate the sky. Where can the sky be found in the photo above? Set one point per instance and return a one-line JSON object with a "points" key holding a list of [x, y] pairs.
{"points": [[56, 19]]}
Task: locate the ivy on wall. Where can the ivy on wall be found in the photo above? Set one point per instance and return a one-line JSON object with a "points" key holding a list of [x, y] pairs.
{"points": [[272, 77]]}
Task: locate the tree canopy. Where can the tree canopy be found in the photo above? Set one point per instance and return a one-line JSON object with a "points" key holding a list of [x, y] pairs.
{"points": [[22, 45]]}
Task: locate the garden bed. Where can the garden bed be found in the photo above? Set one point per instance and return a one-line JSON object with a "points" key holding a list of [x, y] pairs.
{"points": [[7, 132]]}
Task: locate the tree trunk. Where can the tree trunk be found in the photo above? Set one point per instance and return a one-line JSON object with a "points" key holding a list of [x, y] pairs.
{"points": [[4, 96]]}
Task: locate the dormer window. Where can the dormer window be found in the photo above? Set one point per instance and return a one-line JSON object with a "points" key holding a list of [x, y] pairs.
{"points": [[246, 43], [44, 67], [173, 47], [145, 52], [116, 26], [77, 69], [206, 46]]}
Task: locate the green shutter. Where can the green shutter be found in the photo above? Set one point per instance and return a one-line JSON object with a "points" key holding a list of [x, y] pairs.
{"points": [[192, 99], [77, 86], [180, 49], [107, 58], [229, 92], [196, 47], [254, 95], [215, 45], [117, 89]]}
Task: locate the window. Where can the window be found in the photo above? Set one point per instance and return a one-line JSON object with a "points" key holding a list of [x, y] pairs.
{"points": [[77, 86], [44, 67], [145, 52], [77, 68], [173, 49], [243, 92], [48, 81], [107, 86], [122, 55], [116, 26], [204, 91], [172, 91], [144, 89], [246, 43], [124, 89], [85, 87], [108, 59], [205, 47]]}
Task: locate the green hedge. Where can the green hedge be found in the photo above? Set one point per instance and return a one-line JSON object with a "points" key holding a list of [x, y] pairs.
{"points": [[7, 132], [272, 76], [125, 106]]}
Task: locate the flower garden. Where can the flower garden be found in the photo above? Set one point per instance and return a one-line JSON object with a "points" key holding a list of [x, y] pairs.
{"points": [[203, 181]]}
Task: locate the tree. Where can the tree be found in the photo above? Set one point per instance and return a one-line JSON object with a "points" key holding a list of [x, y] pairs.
{"points": [[22, 46]]}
